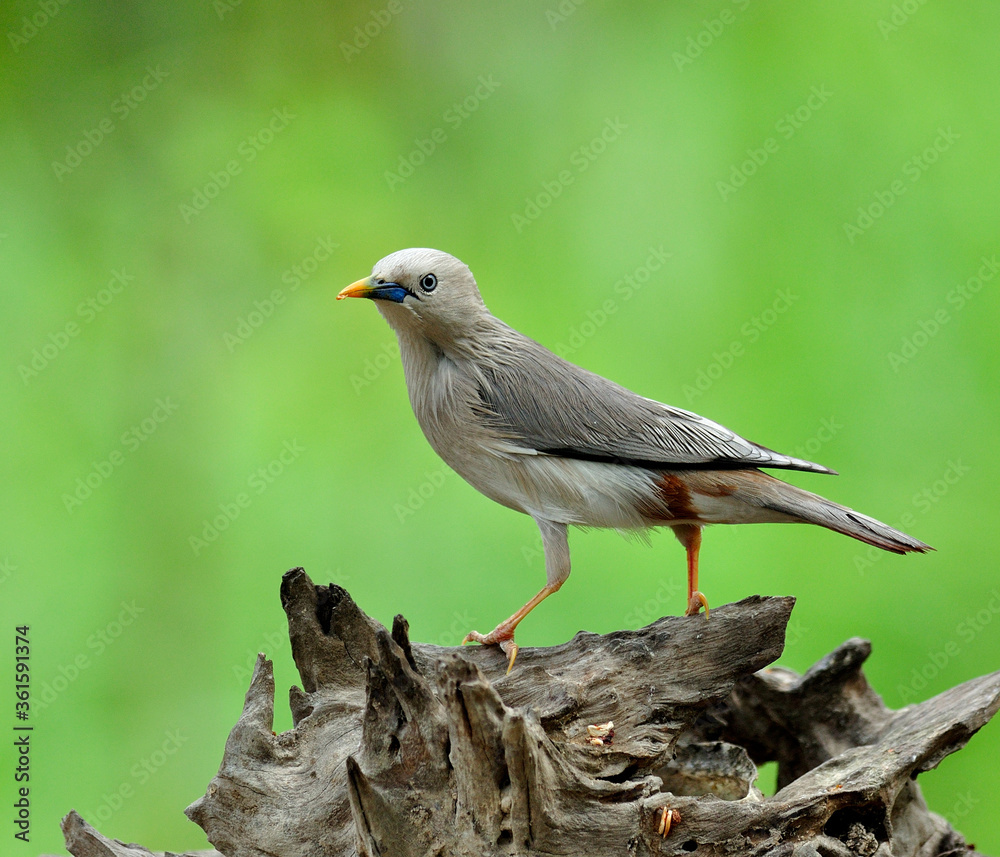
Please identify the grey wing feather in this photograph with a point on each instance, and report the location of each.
(547, 404)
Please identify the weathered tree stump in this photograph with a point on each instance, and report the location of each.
(402, 748)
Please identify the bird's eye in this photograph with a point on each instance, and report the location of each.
(428, 282)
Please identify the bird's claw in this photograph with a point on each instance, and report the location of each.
(695, 603)
(497, 637)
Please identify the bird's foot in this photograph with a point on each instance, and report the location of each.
(502, 635)
(695, 603)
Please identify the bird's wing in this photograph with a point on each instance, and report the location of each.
(542, 403)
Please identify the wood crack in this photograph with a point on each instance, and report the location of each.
(485, 763)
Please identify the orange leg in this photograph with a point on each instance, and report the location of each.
(503, 634)
(689, 535)
(556, 547)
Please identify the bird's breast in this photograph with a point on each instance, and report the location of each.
(446, 401)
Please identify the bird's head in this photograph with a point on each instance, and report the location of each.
(423, 291)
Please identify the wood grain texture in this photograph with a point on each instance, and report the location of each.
(402, 748)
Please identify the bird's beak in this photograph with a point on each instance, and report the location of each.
(380, 292)
(360, 289)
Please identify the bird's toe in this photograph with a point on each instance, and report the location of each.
(510, 649)
(695, 603)
(501, 636)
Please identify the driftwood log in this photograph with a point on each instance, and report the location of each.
(632, 743)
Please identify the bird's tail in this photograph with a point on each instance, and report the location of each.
(811, 508)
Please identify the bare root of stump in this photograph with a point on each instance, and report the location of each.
(633, 743)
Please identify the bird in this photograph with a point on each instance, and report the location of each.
(541, 435)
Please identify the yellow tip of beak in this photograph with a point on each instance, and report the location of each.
(359, 289)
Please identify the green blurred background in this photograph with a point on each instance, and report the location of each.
(186, 187)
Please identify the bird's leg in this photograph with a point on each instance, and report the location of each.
(503, 634)
(689, 535)
(556, 545)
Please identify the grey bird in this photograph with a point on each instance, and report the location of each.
(540, 435)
